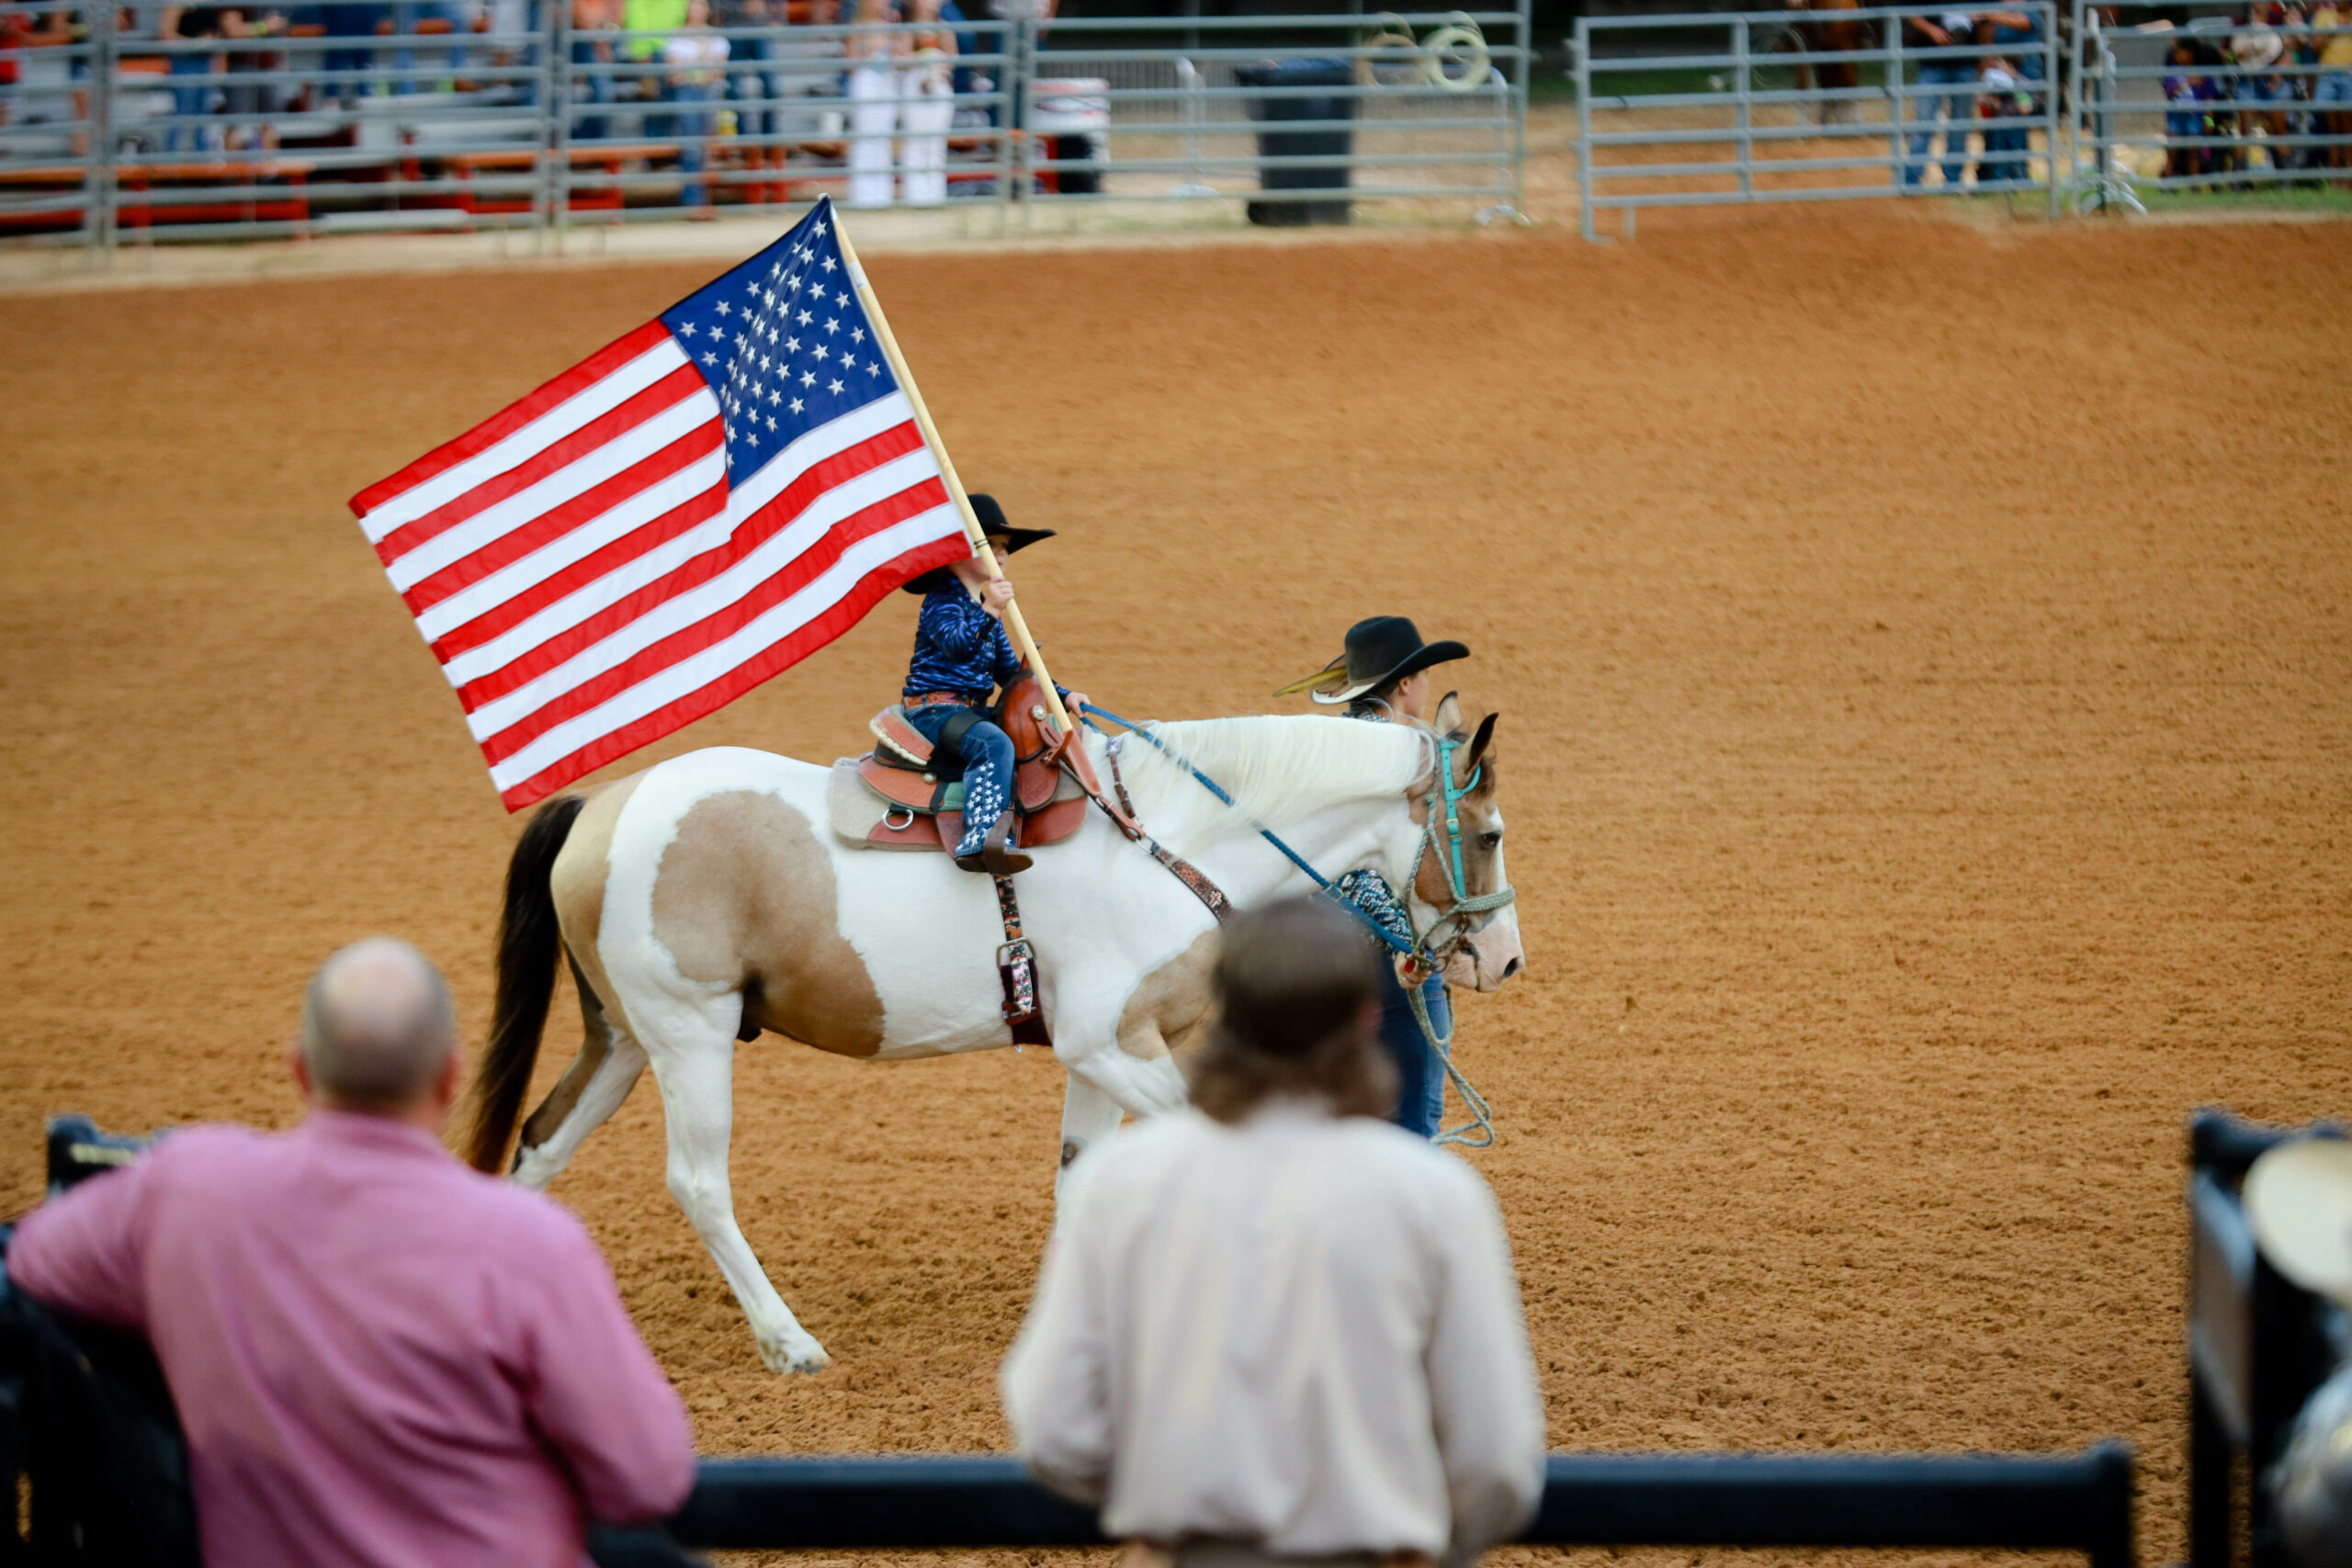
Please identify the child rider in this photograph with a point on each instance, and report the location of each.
(962, 655)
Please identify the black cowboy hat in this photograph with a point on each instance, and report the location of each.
(992, 524)
(1384, 648)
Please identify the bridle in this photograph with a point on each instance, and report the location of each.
(1423, 951)
(1469, 913)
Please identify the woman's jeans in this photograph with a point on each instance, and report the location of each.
(1420, 1077)
(1952, 107)
(988, 771)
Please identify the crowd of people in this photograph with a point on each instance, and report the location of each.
(1999, 82)
(775, 76)
(2257, 98)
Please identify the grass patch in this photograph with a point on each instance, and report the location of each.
(2307, 197)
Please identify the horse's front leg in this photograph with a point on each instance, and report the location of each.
(1114, 1041)
(1089, 1116)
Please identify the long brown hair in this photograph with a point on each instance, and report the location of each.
(1297, 986)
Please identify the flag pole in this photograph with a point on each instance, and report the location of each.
(1013, 622)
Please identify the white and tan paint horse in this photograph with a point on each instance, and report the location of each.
(708, 897)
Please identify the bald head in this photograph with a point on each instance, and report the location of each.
(377, 1027)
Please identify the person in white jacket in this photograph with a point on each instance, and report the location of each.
(1272, 1326)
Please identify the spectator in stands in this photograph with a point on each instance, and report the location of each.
(591, 57)
(2332, 88)
(874, 59)
(2187, 93)
(2019, 38)
(347, 20)
(1948, 30)
(927, 106)
(196, 68)
(753, 90)
(1271, 1325)
(248, 105)
(378, 1355)
(2257, 51)
(650, 22)
(697, 58)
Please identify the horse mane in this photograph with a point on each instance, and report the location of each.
(1278, 768)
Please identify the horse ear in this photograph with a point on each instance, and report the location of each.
(1449, 713)
(1477, 750)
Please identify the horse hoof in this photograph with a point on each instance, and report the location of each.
(800, 1355)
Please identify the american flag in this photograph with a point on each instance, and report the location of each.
(666, 524)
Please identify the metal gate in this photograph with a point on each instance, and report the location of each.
(1815, 105)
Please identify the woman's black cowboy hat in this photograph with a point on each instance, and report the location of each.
(992, 524)
(1384, 648)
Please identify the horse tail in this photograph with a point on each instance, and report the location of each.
(529, 941)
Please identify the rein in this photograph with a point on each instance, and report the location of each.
(1468, 914)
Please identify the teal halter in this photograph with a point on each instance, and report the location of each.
(1468, 913)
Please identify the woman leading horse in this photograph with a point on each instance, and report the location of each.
(1381, 676)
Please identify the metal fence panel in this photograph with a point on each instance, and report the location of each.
(1306, 113)
(1816, 106)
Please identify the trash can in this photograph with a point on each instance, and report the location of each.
(1071, 115)
(1293, 106)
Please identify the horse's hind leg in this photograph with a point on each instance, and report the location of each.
(590, 1089)
(693, 1049)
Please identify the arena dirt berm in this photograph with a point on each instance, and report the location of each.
(1926, 668)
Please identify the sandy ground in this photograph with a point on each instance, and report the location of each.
(1925, 676)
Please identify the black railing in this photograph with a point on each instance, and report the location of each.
(2079, 1502)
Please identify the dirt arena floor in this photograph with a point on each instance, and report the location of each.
(1925, 665)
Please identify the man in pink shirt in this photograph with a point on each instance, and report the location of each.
(380, 1356)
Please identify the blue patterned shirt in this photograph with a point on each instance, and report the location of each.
(960, 648)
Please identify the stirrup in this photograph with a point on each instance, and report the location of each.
(999, 854)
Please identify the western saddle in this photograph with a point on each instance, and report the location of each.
(919, 794)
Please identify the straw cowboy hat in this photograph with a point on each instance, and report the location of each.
(2298, 1201)
(1384, 648)
(1002, 537)
(2257, 47)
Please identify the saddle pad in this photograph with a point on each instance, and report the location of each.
(859, 816)
(902, 742)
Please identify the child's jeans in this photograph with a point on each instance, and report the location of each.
(987, 770)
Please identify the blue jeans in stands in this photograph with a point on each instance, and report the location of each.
(190, 102)
(694, 156)
(1420, 1077)
(751, 87)
(1953, 110)
(988, 771)
(591, 83)
(2004, 161)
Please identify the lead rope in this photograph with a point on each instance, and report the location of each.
(1352, 892)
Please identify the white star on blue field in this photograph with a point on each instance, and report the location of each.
(784, 343)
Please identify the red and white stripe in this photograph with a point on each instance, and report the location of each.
(590, 582)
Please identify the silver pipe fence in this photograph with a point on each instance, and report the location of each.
(414, 116)
(1767, 106)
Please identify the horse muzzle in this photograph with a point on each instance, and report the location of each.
(1485, 958)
